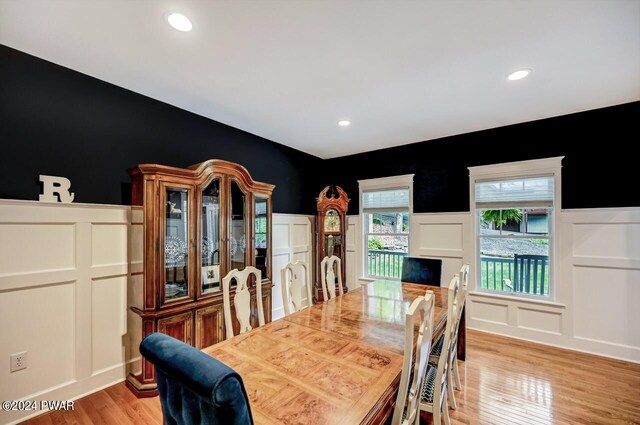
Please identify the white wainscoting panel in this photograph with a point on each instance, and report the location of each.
(292, 241)
(487, 311)
(619, 290)
(540, 320)
(597, 289)
(63, 276)
(443, 236)
(352, 260)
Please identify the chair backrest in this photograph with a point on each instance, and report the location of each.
(526, 275)
(329, 268)
(462, 294)
(464, 276)
(420, 315)
(292, 288)
(194, 387)
(425, 271)
(241, 299)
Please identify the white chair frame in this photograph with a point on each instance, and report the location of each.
(439, 407)
(455, 381)
(292, 288)
(328, 275)
(407, 410)
(241, 299)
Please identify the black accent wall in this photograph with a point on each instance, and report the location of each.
(57, 121)
(60, 122)
(599, 168)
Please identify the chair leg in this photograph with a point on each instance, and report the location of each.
(436, 413)
(445, 412)
(456, 373)
(450, 395)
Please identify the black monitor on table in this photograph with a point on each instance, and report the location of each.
(425, 271)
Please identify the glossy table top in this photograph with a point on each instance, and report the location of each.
(331, 363)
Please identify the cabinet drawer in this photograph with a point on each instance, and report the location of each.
(180, 327)
(209, 326)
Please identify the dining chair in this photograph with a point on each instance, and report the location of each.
(454, 375)
(436, 382)
(464, 281)
(329, 267)
(420, 316)
(425, 271)
(241, 299)
(293, 287)
(195, 388)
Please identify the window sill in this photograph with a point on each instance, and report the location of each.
(518, 299)
(367, 279)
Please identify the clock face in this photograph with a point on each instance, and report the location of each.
(332, 221)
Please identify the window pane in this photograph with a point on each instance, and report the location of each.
(489, 221)
(391, 222)
(385, 254)
(520, 190)
(384, 199)
(514, 221)
(211, 237)
(260, 225)
(176, 250)
(515, 265)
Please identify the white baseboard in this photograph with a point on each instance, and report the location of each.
(623, 353)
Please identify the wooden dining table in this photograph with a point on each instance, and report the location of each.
(337, 362)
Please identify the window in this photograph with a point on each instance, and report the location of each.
(515, 235)
(386, 231)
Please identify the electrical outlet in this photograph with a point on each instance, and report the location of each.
(18, 361)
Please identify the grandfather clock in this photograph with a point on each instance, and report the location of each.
(330, 231)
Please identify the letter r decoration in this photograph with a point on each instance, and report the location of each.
(56, 189)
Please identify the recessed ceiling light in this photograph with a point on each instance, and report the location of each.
(344, 123)
(180, 22)
(518, 75)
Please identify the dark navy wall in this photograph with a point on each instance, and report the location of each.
(60, 122)
(599, 169)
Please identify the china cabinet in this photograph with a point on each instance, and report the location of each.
(332, 204)
(200, 222)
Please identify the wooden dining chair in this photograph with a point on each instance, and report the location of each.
(420, 316)
(293, 287)
(454, 375)
(329, 267)
(241, 299)
(464, 282)
(436, 382)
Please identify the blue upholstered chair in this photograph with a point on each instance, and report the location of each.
(195, 388)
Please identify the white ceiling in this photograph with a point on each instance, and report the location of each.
(401, 71)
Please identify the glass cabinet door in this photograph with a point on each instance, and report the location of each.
(261, 234)
(210, 238)
(176, 244)
(238, 230)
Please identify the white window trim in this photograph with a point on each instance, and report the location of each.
(382, 183)
(531, 168)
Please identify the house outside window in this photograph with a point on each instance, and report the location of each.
(515, 216)
(385, 210)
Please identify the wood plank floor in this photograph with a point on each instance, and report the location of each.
(505, 382)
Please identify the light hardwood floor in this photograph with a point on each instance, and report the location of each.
(505, 382)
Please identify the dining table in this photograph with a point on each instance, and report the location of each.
(336, 362)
